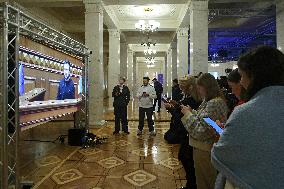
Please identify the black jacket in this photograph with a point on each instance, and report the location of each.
(177, 132)
(158, 87)
(176, 93)
(121, 98)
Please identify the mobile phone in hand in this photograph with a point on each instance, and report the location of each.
(214, 125)
(164, 100)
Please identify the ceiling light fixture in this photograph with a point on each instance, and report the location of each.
(150, 65)
(150, 61)
(147, 26)
(149, 51)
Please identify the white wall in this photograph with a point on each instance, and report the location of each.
(221, 68)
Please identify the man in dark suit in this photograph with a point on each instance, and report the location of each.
(66, 89)
(159, 91)
(121, 95)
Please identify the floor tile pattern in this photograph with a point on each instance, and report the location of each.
(122, 162)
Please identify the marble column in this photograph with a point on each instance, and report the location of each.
(182, 51)
(123, 59)
(130, 70)
(94, 41)
(169, 70)
(114, 62)
(198, 37)
(174, 60)
(280, 24)
(134, 75)
(165, 85)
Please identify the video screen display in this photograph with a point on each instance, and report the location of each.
(60, 78)
(50, 84)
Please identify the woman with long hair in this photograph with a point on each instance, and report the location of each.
(249, 154)
(234, 82)
(238, 91)
(202, 136)
(185, 155)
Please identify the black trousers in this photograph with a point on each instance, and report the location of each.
(149, 114)
(120, 113)
(185, 155)
(159, 99)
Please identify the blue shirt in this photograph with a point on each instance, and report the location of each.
(250, 151)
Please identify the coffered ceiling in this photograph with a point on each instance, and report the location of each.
(169, 15)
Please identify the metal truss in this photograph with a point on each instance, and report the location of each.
(9, 101)
(13, 24)
(42, 33)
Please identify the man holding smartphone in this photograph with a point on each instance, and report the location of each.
(146, 94)
(121, 95)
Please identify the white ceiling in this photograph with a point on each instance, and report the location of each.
(169, 15)
(138, 12)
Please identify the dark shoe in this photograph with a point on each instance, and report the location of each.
(115, 132)
(126, 132)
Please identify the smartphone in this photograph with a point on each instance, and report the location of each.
(164, 100)
(214, 125)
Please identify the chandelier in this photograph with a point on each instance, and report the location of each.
(150, 61)
(148, 44)
(150, 65)
(149, 51)
(147, 26)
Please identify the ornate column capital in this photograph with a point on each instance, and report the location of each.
(114, 33)
(93, 6)
(182, 32)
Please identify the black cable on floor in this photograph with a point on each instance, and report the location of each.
(61, 138)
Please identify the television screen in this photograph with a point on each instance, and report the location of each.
(60, 78)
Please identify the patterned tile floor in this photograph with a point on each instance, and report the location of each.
(122, 162)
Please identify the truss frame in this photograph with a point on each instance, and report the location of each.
(13, 24)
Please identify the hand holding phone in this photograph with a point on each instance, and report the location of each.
(164, 100)
(222, 125)
(185, 109)
(174, 103)
(145, 94)
(214, 125)
(167, 105)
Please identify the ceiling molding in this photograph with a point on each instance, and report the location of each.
(143, 2)
(112, 16)
(127, 15)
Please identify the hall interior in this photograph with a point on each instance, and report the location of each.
(105, 40)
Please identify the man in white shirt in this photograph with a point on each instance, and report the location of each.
(146, 94)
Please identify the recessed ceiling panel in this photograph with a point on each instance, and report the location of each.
(163, 11)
